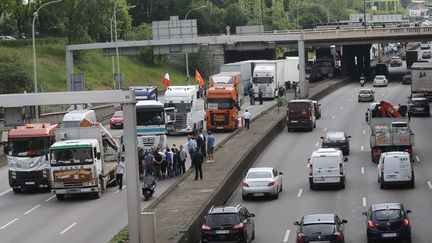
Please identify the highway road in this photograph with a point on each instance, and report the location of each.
(38, 217)
(289, 153)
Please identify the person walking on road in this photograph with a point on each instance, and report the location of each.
(182, 159)
(260, 97)
(246, 118)
(120, 168)
(251, 96)
(210, 146)
(197, 160)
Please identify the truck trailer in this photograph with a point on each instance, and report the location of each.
(243, 67)
(421, 79)
(268, 76)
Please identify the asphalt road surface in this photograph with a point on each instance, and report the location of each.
(38, 217)
(289, 153)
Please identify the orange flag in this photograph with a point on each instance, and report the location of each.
(199, 78)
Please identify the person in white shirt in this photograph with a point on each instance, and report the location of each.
(120, 168)
(246, 118)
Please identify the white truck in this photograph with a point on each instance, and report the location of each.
(243, 67)
(151, 123)
(268, 76)
(188, 113)
(421, 78)
(83, 160)
(292, 73)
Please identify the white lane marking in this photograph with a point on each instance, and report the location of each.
(11, 222)
(48, 199)
(362, 148)
(32, 209)
(68, 228)
(333, 117)
(430, 185)
(287, 234)
(417, 158)
(316, 145)
(325, 129)
(364, 131)
(364, 202)
(299, 193)
(119, 190)
(5, 191)
(341, 107)
(362, 170)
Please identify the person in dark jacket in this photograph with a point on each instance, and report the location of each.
(260, 96)
(251, 96)
(197, 161)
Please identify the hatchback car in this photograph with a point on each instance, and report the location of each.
(426, 54)
(395, 61)
(418, 106)
(262, 181)
(366, 95)
(388, 221)
(380, 80)
(406, 79)
(320, 228)
(339, 140)
(117, 120)
(229, 224)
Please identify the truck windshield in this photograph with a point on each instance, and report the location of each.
(179, 107)
(71, 156)
(29, 147)
(67, 124)
(262, 80)
(220, 104)
(150, 116)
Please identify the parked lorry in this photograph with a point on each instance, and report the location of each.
(83, 160)
(292, 73)
(411, 57)
(188, 113)
(243, 67)
(230, 79)
(390, 130)
(222, 108)
(151, 123)
(325, 62)
(421, 79)
(268, 76)
(27, 157)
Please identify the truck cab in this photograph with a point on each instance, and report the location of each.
(28, 155)
(229, 79)
(222, 108)
(151, 119)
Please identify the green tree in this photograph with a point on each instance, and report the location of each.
(14, 73)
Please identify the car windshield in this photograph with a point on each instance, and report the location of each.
(384, 215)
(71, 156)
(118, 114)
(259, 175)
(222, 219)
(365, 92)
(29, 147)
(318, 229)
(334, 136)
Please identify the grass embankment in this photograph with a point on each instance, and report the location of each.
(96, 68)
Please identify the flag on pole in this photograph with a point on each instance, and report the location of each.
(166, 80)
(199, 78)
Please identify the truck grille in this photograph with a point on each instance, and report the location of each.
(29, 174)
(147, 141)
(219, 118)
(73, 184)
(180, 122)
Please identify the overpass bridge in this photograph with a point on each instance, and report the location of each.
(355, 44)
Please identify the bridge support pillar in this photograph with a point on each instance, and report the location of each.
(304, 84)
(69, 69)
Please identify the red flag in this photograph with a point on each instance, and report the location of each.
(166, 80)
(199, 78)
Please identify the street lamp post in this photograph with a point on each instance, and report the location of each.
(35, 15)
(187, 54)
(112, 39)
(364, 14)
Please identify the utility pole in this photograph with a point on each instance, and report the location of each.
(364, 16)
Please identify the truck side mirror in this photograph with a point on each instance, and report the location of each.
(98, 155)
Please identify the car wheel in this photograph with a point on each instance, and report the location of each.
(281, 188)
(288, 129)
(342, 186)
(276, 196)
(16, 190)
(369, 240)
(382, 186)
(245, 197)
(253, 234)
(412, 185)
(60, 197)
(312, 186)
(408, 240)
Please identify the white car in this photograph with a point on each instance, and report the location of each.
(424, 45)
(395, 168)
(380, 80)
(262, 181)
(327, 167)
(7, 38)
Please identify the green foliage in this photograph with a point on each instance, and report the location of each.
(199, 61)
(14, 72)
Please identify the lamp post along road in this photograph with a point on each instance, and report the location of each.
(117, 48)
(187, 54)
(35, 78)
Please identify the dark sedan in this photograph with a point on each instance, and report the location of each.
(388, 221)
(406, 79)
(320, 228)
(338, 140)
(418, 106)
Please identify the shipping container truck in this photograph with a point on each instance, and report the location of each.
(243, 67)
(411, 57)
(421, 79)
(269, 76)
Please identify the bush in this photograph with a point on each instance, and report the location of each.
(14, 73)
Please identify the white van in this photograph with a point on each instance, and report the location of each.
(326, 167)
(395, 168)
(73, 118)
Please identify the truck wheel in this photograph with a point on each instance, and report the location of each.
(60, 197)
(16, 190)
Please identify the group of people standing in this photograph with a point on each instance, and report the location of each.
(252, 96)
(200, 147)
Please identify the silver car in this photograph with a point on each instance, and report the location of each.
(262, 181)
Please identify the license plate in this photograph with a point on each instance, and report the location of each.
(29, 182)
(419, 109)
(294, 121)
(386, 235)
(222, 231)
(118, 123)
(390, 176)
(219, 127)
(319, 179)
(258, 194)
